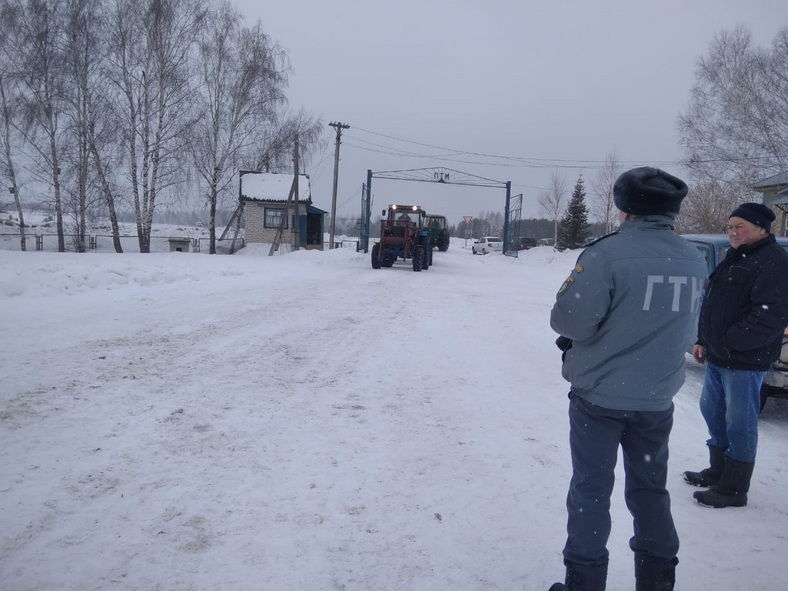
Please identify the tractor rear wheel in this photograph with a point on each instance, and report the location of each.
(376, 256)
(418, 258)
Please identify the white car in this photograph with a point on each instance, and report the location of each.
(487, 244)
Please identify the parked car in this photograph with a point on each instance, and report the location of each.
(714, 247)
(487, 244)
(775, 382)
(526, 242)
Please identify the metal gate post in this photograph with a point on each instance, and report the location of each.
(367, 213)
(506, 217)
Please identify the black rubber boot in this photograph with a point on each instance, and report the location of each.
(580, 577)
(731, 491)
(711, 475)
(654, 574)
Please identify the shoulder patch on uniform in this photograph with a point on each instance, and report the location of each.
(566, 285)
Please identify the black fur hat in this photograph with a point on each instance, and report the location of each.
(756, 213)
(648, 191)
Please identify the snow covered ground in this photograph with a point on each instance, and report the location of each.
(188, 422)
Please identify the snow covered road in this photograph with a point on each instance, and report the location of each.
(188, 422)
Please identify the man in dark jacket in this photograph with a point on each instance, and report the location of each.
(626, 315)
(744, 314)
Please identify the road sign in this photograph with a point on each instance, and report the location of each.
(467, 218)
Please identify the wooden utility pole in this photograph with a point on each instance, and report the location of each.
(338, 127)
(292, 197)
(283, 220)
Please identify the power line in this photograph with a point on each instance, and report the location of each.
(573, 163)
(318, 166)
(352, 195)
(537, 162)
(476, 162)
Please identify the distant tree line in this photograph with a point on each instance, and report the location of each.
(113, 106)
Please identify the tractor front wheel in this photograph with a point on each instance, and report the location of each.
(427, 257)
(418, 258)
(376, 256)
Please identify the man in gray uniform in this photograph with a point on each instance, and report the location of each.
(626, 316)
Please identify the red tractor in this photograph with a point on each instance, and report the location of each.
(403, 235)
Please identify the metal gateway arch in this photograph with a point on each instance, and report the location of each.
(443, 175)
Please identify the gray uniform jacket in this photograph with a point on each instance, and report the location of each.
(630, 307)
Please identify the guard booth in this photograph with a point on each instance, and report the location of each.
(264, 198)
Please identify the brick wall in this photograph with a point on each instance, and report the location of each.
(254, 226)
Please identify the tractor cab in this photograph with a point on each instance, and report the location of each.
(405, 215)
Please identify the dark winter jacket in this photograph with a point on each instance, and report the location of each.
(630, 307)
(745, 309)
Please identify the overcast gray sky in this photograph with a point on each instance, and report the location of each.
(560, 82)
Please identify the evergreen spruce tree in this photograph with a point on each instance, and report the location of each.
(573, 230)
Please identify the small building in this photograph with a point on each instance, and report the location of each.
(775, 195)
(180, 244)
(264, 196)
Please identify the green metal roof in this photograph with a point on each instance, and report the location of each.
(772, 181)
(782, 198)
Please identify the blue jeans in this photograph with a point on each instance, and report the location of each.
(594, 437)
(730, 403)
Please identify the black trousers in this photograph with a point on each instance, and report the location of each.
(595, 434)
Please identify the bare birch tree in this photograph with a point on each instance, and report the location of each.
(735, 129)
(243, 74)
(706, 208)
(34, 30)
(152, 51)
(7, 165)
(603, 205)
(80, 46)
(277, 136)
(94, 122)
(552, 200)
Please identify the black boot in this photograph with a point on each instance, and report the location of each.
(654, 574)
(711, 475)
(580, 577)
(731, 491)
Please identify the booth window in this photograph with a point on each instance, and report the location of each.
(273, 217)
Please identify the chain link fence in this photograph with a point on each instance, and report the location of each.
(128, 243)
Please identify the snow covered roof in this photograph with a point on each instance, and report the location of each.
(271, 186)
(773, 181)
